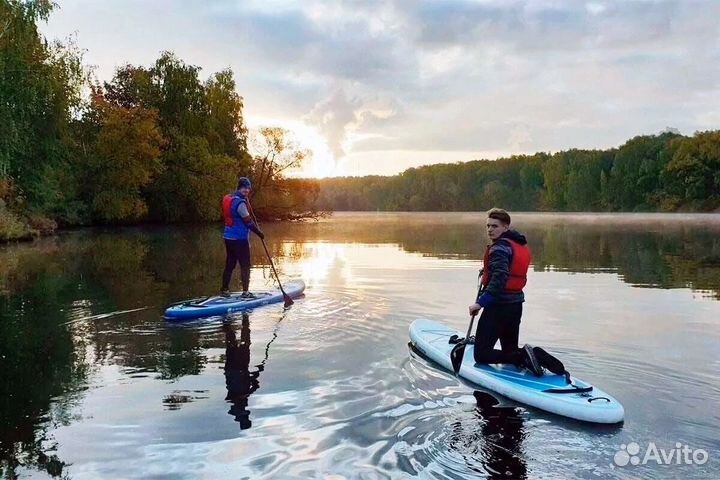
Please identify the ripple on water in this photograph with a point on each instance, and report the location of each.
(329, 321)
(460, 433)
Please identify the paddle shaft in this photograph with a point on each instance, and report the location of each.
(267, 252)
(472, 320)
(458, 351)
(472, 317)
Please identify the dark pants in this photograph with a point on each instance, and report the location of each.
(498, 322)
(237, 251)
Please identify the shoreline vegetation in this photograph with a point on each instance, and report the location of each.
(667, 172)
(156, 144)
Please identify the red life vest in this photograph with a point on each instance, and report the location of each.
(227, 208)
(235, 227)
(519, 266)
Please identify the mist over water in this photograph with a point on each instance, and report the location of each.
(95, 384)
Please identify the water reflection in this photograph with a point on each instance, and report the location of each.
(240, 381)
(663, 251)
(500, 438)
(76, 307)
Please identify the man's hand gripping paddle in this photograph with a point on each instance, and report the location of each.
(458, 352)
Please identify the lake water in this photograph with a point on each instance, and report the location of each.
(95, 384)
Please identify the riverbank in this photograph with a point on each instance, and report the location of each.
(19, 228)
(15, 228)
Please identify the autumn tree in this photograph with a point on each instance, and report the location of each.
(276, 152)
(124, 158)
(205, 136)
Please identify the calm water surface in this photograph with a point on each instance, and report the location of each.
(94, 384)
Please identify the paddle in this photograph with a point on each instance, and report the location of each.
(458, 352)
(288, 301)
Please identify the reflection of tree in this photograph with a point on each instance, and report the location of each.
(189, 261)
(47, 288)
(41, 360)
(643, 253)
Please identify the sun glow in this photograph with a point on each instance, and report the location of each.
(320, 163)
(323, 260)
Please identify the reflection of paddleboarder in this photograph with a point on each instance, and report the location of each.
(239, 380)
(497, 444)
(503, 434)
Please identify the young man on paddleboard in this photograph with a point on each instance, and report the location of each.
(238, 225)
(505, 268)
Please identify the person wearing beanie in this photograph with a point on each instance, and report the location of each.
(238, 225)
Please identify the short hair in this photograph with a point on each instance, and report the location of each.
(499, 214)
(244, 182)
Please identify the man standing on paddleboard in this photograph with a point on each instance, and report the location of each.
(238, 225)
(505, 268)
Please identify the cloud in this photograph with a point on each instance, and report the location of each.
(332, 116)
(338, 115)
(435, 75)
(519, 135)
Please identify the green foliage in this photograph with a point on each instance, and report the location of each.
(154, 143)
(39, 90)
(205, 139)
(635, 174)
(159, 143)
(274, 196)
(194, 182)
(692, 175)
(653, 172)
(226, 129)
(124, 158)
(12, 227)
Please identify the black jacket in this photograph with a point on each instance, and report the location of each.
(499, 264)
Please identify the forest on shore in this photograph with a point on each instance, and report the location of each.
(666, 172)
(154, 144)
(159, 144)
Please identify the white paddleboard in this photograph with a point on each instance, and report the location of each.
(550, 392)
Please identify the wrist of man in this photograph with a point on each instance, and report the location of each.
(486, 299)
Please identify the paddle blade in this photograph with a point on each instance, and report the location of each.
(288, 301)
(457, 354)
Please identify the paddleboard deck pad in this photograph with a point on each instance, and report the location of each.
(219, 305)
(552, 393)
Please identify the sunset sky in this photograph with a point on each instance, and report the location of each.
(375, 87)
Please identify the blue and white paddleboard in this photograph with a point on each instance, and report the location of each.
(218, 305)
(552, 393)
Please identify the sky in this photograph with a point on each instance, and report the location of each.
(376, 87)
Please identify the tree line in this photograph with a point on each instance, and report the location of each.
(158, 143)
(664, 172)
(155, 143)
